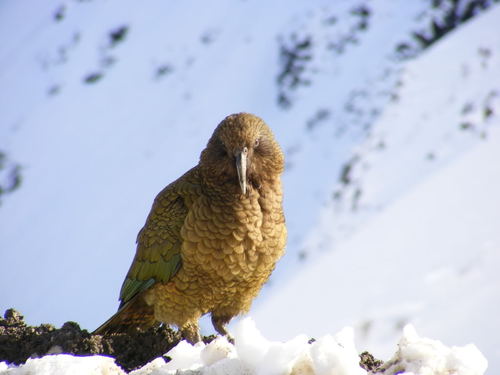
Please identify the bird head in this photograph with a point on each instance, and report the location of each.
(241, 155)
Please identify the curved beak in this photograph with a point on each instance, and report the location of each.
(241, 168)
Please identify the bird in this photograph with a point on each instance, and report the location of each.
(212, 237)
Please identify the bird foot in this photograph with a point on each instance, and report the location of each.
(230, 338)
(219, 324)
(191, 334)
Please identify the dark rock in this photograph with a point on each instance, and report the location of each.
(18, 342)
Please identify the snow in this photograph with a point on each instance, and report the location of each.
(431, 258)
(424, 356)
(426, 251)
(254, 354)
(62, 364)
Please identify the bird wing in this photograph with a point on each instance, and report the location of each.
(158, 257)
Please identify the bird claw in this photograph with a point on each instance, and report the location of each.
(229, 338)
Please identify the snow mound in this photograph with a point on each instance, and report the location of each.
(254, 354)
(418, 355)
(62, 364)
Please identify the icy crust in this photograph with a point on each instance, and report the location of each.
(253, 354)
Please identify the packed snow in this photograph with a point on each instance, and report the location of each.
(252, 354)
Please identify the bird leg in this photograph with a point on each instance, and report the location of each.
(191, 333)
(219, 323)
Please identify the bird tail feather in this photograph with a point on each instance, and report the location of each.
(133, 314)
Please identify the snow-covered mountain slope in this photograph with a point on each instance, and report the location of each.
(431, 256)
(105, 102)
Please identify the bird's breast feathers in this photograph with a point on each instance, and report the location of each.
(233, 241)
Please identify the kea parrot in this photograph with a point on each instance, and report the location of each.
(212, 237)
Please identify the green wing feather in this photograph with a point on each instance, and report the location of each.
(158, 256)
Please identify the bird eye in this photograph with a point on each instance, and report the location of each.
(220, 148)
(257, 142)
(223, 152)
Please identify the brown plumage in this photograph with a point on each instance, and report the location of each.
(212, 237)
